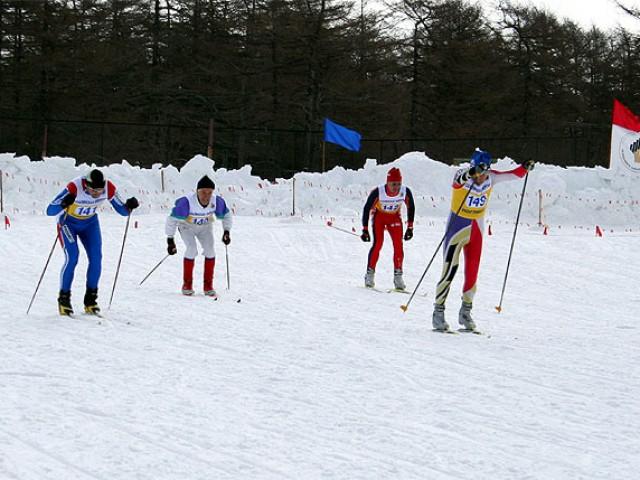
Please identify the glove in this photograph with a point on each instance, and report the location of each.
(365, 236)
(132, 203)
(528, 164)
(408, 235)
(68, 200)
(226, 238)
(171, 246)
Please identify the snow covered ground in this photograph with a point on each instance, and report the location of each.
(311, 375)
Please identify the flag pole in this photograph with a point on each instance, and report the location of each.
(611, 137)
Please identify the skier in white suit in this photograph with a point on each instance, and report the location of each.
(193, 216)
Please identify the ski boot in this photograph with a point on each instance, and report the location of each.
(209, 265)
(398, 281)
(369, 280)
(464, 317)
(91, 301)
(187, 277)
(438, 321)
(64, 303)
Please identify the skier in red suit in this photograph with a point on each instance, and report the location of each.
(386, 203)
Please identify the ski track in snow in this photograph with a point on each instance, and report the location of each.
(311, 376)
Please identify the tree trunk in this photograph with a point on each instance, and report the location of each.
(313, 82)
(413, 116)
(155, 55)
(18, 54)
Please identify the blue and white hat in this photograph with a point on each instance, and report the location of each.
(480, 157)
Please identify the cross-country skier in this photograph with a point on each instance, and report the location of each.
(192, 216)
(386, 202)
(472, 188)
(79, 201)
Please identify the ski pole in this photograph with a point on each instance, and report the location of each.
(513, 241)
(330, 224)
(154, 269)
(53, 247)
(115, 280)
(406, 306)
(226, 254)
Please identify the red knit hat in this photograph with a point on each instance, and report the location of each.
(394, 175)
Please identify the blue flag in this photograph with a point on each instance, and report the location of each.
(334, 133)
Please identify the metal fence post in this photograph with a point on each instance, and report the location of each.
(539, 207)
(45, 140)
(210, 144)
(102, 141)
(293, 202)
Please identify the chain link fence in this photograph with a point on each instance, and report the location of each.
(273, 153)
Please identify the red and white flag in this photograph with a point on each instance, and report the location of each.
(625, 140)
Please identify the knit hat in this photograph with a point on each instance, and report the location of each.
(95, 179)
(206, 182)
(394, 175)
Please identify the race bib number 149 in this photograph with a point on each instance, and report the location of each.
(477, 202)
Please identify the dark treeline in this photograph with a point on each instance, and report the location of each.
(430, 75)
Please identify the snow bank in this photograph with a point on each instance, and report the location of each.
(570, 196)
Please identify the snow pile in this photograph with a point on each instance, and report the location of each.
(570, 196)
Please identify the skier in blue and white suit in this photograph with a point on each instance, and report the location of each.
(193, 217)
(79, 202)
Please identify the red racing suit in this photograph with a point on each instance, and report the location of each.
(386, 216)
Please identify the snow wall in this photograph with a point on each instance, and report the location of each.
(574, 197)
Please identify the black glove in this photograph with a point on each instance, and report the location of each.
(408, 235)
(171, 246)
(226, 237)
(365, 236)
(528, 164)
(68, 200)
(132, 203)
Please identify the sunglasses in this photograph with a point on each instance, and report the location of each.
(95, 190)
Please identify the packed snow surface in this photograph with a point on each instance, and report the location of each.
(297, 371)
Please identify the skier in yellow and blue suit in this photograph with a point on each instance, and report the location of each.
(472, 189)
